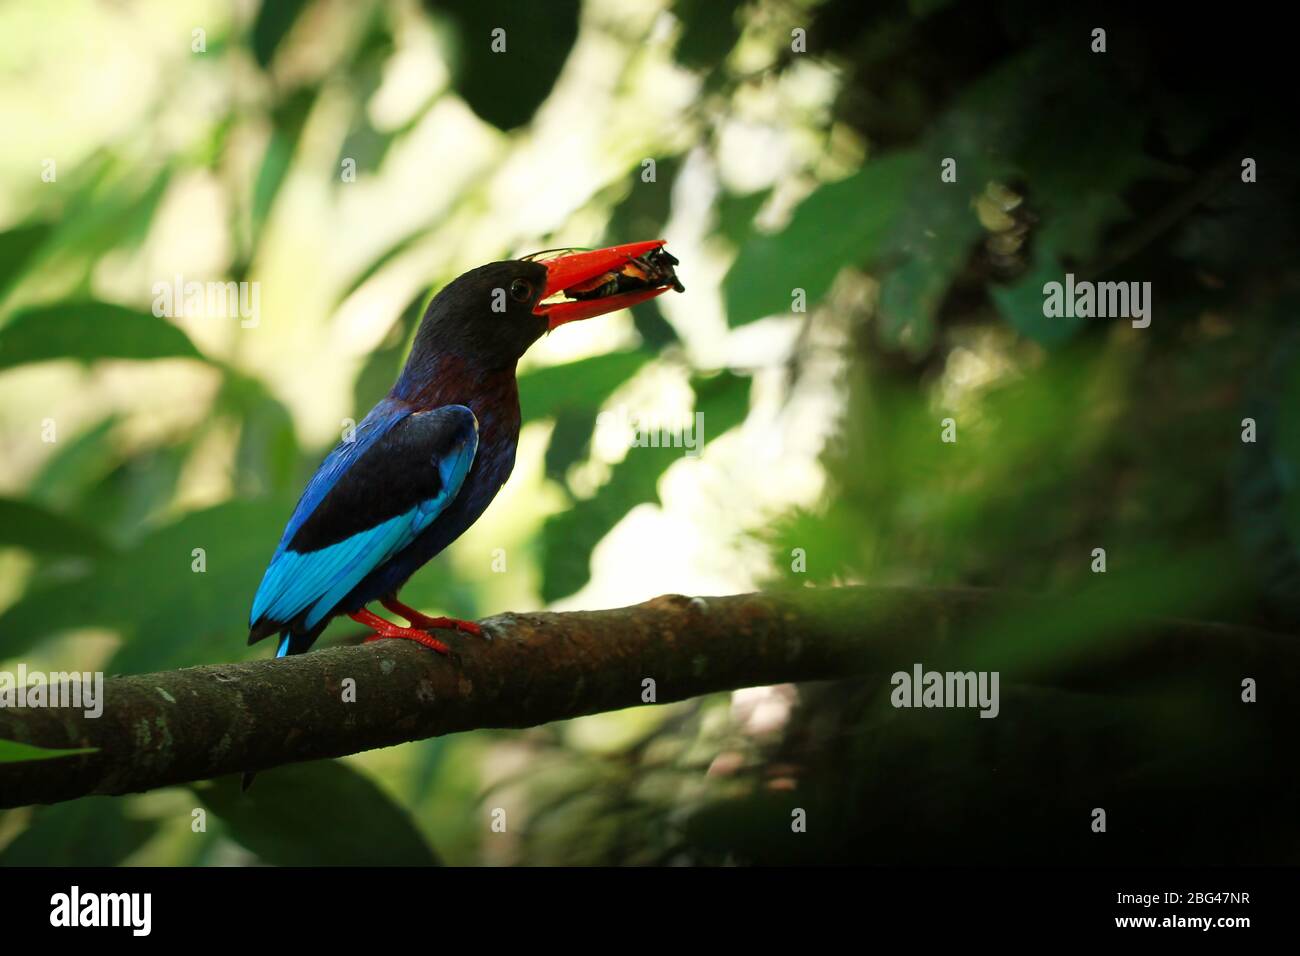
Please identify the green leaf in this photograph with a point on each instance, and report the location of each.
(18, 247)
(115, 202)
(641, 215)
(288, 121)
(583, 384)
(76, 465)
(131, 498)
(274, 18)
(569, 442)
(169, 613)
(1021, 303)
(506, 88)
(267, 456)
(642, 212)
(11, 751)
(89, 331)
(365, 144)
(323, 813)
(1074, 184)
(568, 538)
(572, 394)
(936, 243)
(938, 227)
(36, 529)
(709, 31)
(655, 332)
(842, 223)
(92, 831)
(736, 214)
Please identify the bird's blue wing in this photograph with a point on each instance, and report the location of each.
(370, 499)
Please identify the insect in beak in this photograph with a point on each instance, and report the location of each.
(584, 284)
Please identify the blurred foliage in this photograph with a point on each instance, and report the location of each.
(352, 821)
(89, 331)
(26, 525)
(569, 536)
(923, 302)
(507, 90)
(92, 831)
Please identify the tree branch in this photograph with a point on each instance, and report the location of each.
(169, 728)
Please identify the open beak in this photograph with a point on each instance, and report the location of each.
(580, 285)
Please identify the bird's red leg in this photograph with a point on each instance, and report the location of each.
(384, 629)
(417, 619)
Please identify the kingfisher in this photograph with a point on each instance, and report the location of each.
(428, 459)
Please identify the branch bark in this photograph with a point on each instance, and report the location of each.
(191, 724)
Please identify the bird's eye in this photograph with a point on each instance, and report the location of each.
(521, 290)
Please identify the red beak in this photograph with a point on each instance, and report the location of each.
(577, 269)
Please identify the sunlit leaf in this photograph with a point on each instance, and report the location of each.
(842, 223)
(582, 384)
(569, 537)
(88, 331)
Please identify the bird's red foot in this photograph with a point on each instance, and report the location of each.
(385, 629)
(416, 619)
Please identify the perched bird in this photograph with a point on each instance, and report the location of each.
(429, 458)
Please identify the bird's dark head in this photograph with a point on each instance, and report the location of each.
(491, 315)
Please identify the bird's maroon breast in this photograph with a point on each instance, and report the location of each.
(493, 397)
(497, 409)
